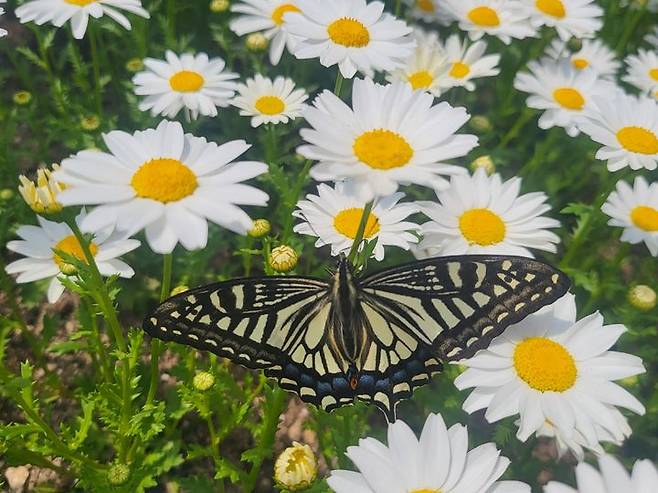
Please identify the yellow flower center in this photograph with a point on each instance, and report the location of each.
(545, 365)
(425, 490)
(297, 457)
(281, 10)
(645, 217)
(420, 80)
(653, 73)
(459, 70)
(425, 5)
(638, 139)
(164, 180)
(270, 105)
(579, 63)
(554, 8)
(482, 227)
(347, 223)
(382, 149)
(349, 32)
(484, 16)
(72, 246)
(186, 81)
(569, 98)
(80, 3)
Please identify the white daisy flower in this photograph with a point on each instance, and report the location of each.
(333, 216)
(57, 12)
(570, 18)
(423, 68)
(636, 210)
(268, 101)
(642, 71)
(612, 478)
(593, 54)
(562, 91)
(466, 62)
(505, 19)
(437, 462)
(482, 214)
(628, 129)
(269, 17)
(392, 135)
(164, 181)
(193, 82)
(351, 33)
(550, 368)
(430, 11)
(3, 32)
(38, 245)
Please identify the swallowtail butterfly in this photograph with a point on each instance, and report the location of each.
(373, 338)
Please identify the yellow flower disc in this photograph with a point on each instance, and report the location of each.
(653, 73)
(569, 98)
(270, 105)
(638, 139)
(164, 180)
(347, 223)
(425, 490)
(545, 365)
(72, 246)
(459, 70)
(579, 63)
(425, 5)
(186, 81)
(382, 149)
(484, 16)
(482, 227)
(554, 8)
(349, 32)
(645, 218)
(281, 10)
(420, 80)
(80, 3)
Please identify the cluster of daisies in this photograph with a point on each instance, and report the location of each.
(554, 373)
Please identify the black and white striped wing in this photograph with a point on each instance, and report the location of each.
(457, 305)
(255, 322)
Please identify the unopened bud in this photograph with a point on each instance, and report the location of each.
(484, 162)
(118, 474)
(296, 468)
(203, 381)
(260, 229)
(642, 297)
(256, 42)
(218, 6)
(283, 259)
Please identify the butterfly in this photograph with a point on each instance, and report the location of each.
(373, 338)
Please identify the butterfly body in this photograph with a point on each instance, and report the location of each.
(373, 338)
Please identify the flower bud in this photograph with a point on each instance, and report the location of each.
(41, 195)
(296, 468)
(134, 65)
(67, 269)
(203, 381)
(218, 6)
(283, 258)
(484, 162)
(181, 288)
(6, 194)
(90, 122)
(642, 297)
(260, 229)
(22, 97)
(118, 474)
(480, 123)
(256, 42)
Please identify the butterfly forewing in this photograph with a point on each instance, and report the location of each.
(459, 304)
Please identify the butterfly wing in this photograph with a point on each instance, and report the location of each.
(252, 321)
(459, 304)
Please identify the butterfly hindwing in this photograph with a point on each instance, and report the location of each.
(459, 304)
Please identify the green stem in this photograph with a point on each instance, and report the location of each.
(102, 354)
(339, 83)
(359, 232)
(540, 151)
(630, 28)
(171, 22)
(526, 115)
(97, 70)
(398, 7)
(165, 289)
(272, 411)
